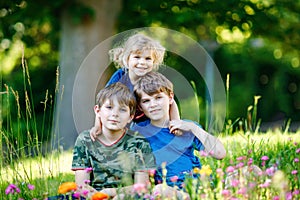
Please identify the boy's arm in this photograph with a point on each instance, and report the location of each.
(174, 111)
(212, 144)
(81, 177)
(96, 129)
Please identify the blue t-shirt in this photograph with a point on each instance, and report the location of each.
(176, 151)
(122, 77)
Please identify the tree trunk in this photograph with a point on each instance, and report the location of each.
(77, 41)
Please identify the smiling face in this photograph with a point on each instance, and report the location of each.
(114, 116)
(139, 64)
(156, 107)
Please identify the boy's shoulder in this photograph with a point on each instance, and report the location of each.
(135, 136)
(85, 135)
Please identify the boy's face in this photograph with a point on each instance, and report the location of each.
(113, 116)
(141, 63)
(156, 107)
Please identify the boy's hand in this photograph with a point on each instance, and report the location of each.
(94, 132)
(177, 127)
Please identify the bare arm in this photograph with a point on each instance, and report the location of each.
(96, 130)
(212, 144)
(174, 111)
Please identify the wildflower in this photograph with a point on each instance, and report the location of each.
(220, 172)
(139, 188)
(242, 191)
(174, 179)
(203, 153)
(265, 184)
(296, 192)
(89, 169)
(250, 161)
(226, 193)
(11, 189)
(152, 172)
(240, 165)
(235, 183)
(205, 170)
(288, 196)
(229, 169)
(270, 171)
(241, 158)
(276, 198)
(85, 192)
(76, 195)
(294, 172)
(67, 187)
(99, 196)
(87, 181)
(265, 158)
(298, 150)
(296, 160)
(30, 187)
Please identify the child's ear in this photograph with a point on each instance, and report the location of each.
(96, 110)
(171, 98)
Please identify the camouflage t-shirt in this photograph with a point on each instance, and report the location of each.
(112, 165)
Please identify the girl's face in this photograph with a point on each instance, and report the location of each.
(140, 63)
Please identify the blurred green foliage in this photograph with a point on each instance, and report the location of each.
(258, 44)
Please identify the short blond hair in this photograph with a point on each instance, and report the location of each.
(121, 92)
(136, 44)
(152, 83)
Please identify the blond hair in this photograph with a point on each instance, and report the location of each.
(136, 44)
(120, 92)
(152, 83)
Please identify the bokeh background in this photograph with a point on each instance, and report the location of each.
(254, 43)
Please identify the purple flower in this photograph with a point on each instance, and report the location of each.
(229, 169)
(30, 187)
(294, 172)
(226, 193)
(89, 169)
(296, 160)
(11, 189)
(265, 158)
(276, 198)
(296, 192)
(298, 150)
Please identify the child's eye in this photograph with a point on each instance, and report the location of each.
(145, 101)
(148, 58)
(123, 109)
(108, 107)
(136, 56)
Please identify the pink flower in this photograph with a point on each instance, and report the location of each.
(265, 158)
(270, 171)
(242, 191)
(88, 170)
(241, 158)
(87, 181)
(296, 192)
(30, 187)
(152, 172)
(250, 161)
(276, 198)
(235, 183)
(298, 150)
(139, 188)
(203, 153)
(294, 172)
(296, 160)
(85, 192)
(229, 169)
(226, 193)
(11, 189)
(288, 196)
(174, 179)
(76, 194)
(240, 165)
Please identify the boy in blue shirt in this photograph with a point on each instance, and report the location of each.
(154, 94)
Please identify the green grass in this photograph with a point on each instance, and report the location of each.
(48, 172)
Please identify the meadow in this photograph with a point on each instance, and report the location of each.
(28, 171)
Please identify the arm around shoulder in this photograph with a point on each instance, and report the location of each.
(213, 146)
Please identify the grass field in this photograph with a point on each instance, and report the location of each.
(276, 153)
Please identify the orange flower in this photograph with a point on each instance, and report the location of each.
(99, 196)
(67, 187)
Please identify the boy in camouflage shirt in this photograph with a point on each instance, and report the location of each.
(117, 153)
